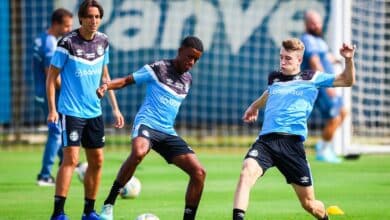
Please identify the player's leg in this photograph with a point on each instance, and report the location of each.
(330, 107)
(64, 177)
(190, 164)
(140, 147)
(92, 178)
(93, 141)
(72, 128)
(250, 172)
(52, 147)
(333, 123)
(309, 203)
(335, 116)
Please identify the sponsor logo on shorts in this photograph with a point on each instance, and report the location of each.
(74, 135)
(104, 139)
(305, 179)
(253, 153)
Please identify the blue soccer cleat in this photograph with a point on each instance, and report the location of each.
(61, 216)
(91, 216)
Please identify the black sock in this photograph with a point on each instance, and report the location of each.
(238, 214)
(89, 205)
(59, 202)
(189, 212)
(116, 186)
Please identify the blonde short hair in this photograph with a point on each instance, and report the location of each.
(293, 44)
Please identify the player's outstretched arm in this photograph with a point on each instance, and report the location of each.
(347, 77)
(114, 84)
(252, 111)
(119, 121)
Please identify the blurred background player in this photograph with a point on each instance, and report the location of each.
(168, 83)
(44, 47)
(81, 59)
(329, 103)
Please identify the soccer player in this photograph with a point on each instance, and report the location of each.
(168, 82)
(81, 60)
(329, 103)
(44, 47)
(288, 102)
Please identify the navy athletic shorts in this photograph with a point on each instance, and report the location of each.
(87, 132)
(168, 146)
(284, 151)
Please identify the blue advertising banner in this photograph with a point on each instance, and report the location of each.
(241, 41)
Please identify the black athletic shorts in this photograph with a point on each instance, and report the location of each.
(168, 146)
(284, 151)
(89, 132)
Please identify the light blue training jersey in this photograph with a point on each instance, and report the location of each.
(165, 91)
(81, 63)
(291, 100)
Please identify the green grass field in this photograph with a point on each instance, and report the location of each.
(361, 188)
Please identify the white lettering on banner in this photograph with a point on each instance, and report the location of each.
(142, 18)
(135, 23)
(206, 22)
(240, 24)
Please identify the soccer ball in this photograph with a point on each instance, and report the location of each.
(132, 189)
(80, 170)
(147, 216)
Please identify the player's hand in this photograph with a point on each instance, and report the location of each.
(250, 115)
(52, 117)
(101, 90)
(119, 121)
(347, 51)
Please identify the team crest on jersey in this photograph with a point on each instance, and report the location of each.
(100, 50)
(64, 40)
(74, 135)
(253, 153)
(145, 133)
(298, 77)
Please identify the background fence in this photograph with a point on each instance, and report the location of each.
(241, 39)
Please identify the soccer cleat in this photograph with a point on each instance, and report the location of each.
(328, 157)
(61, 216)
(107, 212)
(92, 216)
(45, 181)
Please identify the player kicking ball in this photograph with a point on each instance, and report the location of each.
(288, 102)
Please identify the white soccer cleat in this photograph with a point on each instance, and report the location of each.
(107, 212)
